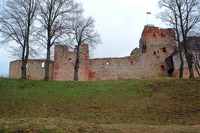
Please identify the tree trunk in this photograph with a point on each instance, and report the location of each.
(181, 68)
(189, 61)
(47, 62)
(27, 46)
(25, 60)
(182, 62)
(76, 67)
(23, 70)
(23, 67)
(46, 77)
(197, 70)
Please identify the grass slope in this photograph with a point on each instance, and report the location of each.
(82, 106)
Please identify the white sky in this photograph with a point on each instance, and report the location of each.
(119, 22)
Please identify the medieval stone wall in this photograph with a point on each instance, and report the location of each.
(35, 69)
(117, 68)
(64, 62)
(131, 67)
(155, 46)
(147, 62)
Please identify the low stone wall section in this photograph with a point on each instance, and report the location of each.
(35, 69)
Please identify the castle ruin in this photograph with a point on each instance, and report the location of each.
(152, 59)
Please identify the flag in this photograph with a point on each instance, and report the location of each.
(148, 12)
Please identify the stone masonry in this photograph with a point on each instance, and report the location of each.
(35, 69)
(146, 62)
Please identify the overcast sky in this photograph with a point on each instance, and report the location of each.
(119, 22)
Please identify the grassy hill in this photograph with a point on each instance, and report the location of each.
(99, 106)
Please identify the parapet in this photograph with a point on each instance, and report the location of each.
(156, 32)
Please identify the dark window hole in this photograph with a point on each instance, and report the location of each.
(164, 49)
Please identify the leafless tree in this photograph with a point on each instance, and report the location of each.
(193, 44)
(16, 20)
(54, 15)
(196, 63)
(184, 17)
(82, 32)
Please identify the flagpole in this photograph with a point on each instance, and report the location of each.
(147, 18)
(147, 13)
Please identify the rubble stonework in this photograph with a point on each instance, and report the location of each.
(35, 69)
(146, 62)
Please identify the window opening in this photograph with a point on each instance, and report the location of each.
(170, 65)
(144, 47)
(164, 49)
(107, 63)
(42, 64)
(163, 67)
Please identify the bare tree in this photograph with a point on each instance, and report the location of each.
(54, 15)
(183, 16)
(193, 44)
(196, 63)
(82, 32)
(16, 20)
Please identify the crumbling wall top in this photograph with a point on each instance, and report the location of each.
(156, 32)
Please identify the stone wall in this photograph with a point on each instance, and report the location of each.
(35, 69)
(146, 62)
(116, 68)
(64, 62)
(155, 46)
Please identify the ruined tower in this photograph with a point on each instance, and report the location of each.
(157, 44)
(64, 62)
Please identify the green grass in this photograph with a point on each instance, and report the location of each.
(165, 101)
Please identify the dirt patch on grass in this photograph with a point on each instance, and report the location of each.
(52, 125)
(125, 128)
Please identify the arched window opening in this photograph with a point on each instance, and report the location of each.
(42, 64)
